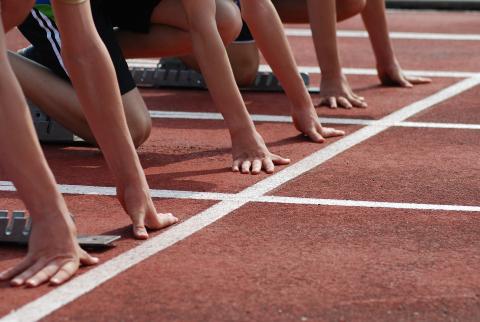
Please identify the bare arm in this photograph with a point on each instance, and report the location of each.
(335, 89)
(267, 29)
(54, 255)
(389, 70)
(249, 150)
(94, 80)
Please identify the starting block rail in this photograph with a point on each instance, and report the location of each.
(16, 229)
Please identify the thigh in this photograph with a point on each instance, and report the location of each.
(171, 13)
(14, 12)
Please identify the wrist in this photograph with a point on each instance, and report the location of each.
(244, 129)
(387, 63)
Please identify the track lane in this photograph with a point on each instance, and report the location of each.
(93, 215)
(331, 264)
(401, 165)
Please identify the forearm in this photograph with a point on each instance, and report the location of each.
(208, 47)
(323, 22)
(267, 29)
(93, 77)
(375, 20)
(23, 160)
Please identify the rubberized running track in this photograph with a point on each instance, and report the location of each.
(382, 225)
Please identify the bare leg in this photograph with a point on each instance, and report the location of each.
(59, 100)
(245, 58)
(169, 34)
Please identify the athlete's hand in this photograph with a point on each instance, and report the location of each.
(306, 121)
(392, 75)
(54, 255)
(336, 92)
(251, 155)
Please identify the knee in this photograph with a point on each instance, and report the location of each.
(349, 8)
(14, 12)
(229, 20)
(246, 73)
(140, 129)
(245, 60)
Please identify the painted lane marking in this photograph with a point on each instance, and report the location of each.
(152, 63)
(214, 196)
(87, 282)
(364, 204)
(325, 120)
(304, 32)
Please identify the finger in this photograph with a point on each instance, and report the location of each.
(278, 160)
(329, 132)
(64, 273)
(32, 270)
(403, 82)
(256, 166)
(419, 80)
(358, 103)
(323, 102)
(268, 165)
(358, 97)
(332, 102)
(343, 102)
(246, 166)
(236, 166)
(87, 260)
(315, 136)
(45, 273)
(14, 271)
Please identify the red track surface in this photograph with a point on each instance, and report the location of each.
(299, 262)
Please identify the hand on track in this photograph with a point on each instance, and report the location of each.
(138, 204)
(54, 255)
(306, 121)
(336, 92)
(251, 155)
(394, 76)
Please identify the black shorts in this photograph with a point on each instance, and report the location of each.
(245, 35)
(131, 15)
(43, 34)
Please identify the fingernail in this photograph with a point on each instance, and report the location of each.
(31, 283)
(54, 281)
(17, 281)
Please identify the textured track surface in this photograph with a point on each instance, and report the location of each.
(299, 261)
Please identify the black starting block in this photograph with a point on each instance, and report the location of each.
(16, 230)
(172, 73)
(50, 131)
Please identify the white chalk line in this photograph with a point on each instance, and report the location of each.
(153, 63)
(7, 186)
(305, 32)
(85, 283)
(325, 120)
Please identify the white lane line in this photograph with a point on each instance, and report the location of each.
(85, 283)
(214, 196)
(111, 191)
(304, 32)
(152, 63)
(325, 120)
(364, 204)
